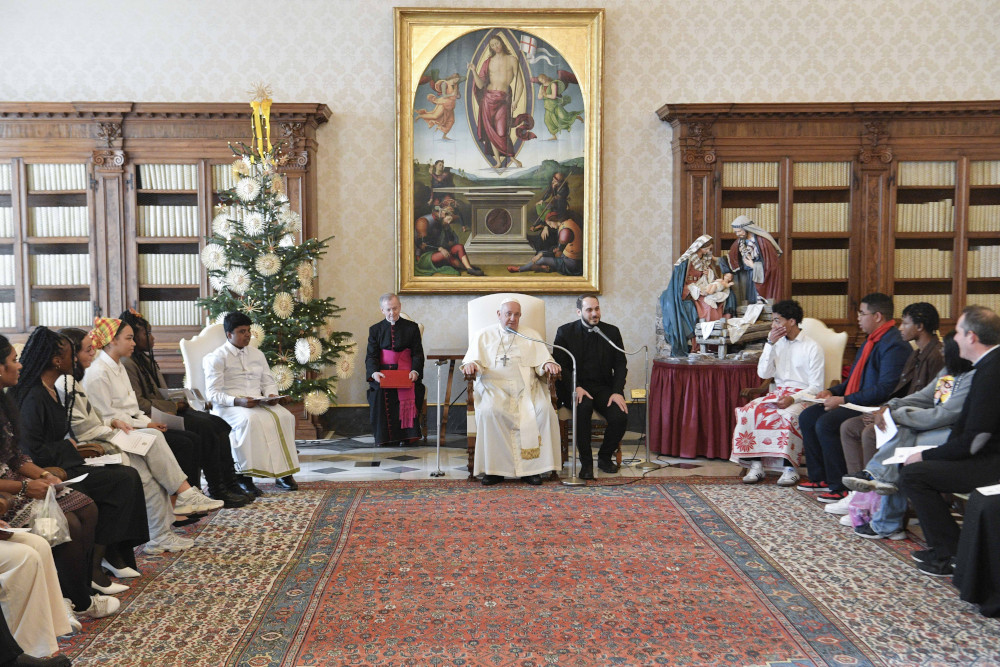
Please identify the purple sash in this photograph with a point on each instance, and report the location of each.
(407, 397)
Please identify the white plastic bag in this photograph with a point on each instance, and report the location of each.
(48, 520)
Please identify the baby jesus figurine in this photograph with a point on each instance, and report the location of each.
(710, 296)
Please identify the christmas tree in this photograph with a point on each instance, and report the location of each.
(256, 266)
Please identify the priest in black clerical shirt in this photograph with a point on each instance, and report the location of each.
(600, 382)
(394, 344)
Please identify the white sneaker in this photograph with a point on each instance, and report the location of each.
(841, 506)
(789, 477)
(74, 622)
(168, 542)
(101, 606)
(193, 500)
(846, 520)
(755, 474)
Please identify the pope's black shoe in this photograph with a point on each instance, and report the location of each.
(607, 465)
(490, 480)
(287, 483)
(534, 480)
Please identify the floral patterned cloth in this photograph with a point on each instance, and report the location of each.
(764, 431)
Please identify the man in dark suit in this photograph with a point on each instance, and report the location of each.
(394, 344)
(600, 382)
(970, 458)
(874, 375)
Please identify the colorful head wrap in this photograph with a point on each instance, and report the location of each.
(104, 331)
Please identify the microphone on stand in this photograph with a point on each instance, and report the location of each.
(572, 480)
(647, 464)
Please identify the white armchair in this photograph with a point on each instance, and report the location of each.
(195, 349)
(833, 344)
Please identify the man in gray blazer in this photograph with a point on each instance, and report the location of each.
(923, 418)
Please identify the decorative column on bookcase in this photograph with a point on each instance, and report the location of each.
(874, 215)
(695, 158)
(107, 239)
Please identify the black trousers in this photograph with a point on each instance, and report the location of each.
(821, 443)
(924, 482)
(617, 423)
(977, 571)
(186, 447)
(121, 506)
(216, 452)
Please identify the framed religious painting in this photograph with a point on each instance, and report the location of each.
(498, 131)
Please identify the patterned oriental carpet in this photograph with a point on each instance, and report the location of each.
(679, 572)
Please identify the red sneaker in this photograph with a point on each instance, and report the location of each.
(832, 496)
(812, 486)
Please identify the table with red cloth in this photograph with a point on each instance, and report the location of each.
(692, 405)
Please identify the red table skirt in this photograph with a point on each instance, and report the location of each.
(692, 406)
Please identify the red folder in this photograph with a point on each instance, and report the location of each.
(398, 379)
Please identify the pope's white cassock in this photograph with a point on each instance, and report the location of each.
(263, 438)
(517, 432)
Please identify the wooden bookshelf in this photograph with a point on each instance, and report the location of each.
(877, 184)
(130, 186)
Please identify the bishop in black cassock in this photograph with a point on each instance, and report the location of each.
(398, 337)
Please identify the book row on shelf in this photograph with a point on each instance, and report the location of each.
(932, 216)
(6, 221)
(60, 270)
(168, 221)
(929, 263)
(821, 174)
(8, 317)
(174, 269)
(223, 177)
(823, 306)
(941, 302)
(62, 314)
(821, 217)
(984, 218)
(5, 172)
(984, 262)
(984, 172)
(55, 177)
(750, 174)
(59, 221)
(7, 270)
(765, 215)
(819, 264)
(168, 176)
(172, 313)
(926, 173)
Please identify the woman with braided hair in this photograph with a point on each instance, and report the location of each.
(161, 476)
(217, 456)
(45, 423)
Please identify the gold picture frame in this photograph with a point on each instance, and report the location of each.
(498, 181)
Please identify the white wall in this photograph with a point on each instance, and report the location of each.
(341, 53)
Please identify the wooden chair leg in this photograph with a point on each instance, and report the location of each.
(470, 440)
(618, 455)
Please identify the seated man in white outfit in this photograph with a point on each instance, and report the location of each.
(767, 431)
(517, 432)
(242, 391)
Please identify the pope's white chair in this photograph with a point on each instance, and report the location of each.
(483, 313)
(194, 351)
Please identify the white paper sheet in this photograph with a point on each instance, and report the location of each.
(903, 453)
(860, 408)
(991, 490)
(174, 422)
(106, 460)
(882, 437)
(15, 530)
(133, 442)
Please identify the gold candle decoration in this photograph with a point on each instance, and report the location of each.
(265, 109)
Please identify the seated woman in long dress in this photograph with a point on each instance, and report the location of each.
(117, 489)
(28, 483)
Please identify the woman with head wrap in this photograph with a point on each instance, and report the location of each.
(116, 489)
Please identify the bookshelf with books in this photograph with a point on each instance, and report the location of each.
(106, 205)
(902, 198)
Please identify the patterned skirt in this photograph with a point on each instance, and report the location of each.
(764, 431)
(19, 514)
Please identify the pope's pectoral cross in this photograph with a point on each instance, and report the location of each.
(505, 359)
